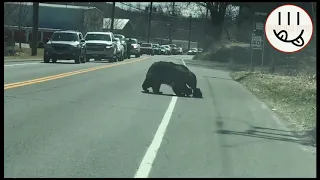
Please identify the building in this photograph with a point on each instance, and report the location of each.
(120, 26)
(51, 17)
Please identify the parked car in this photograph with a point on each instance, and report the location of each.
(146, 48)
(66, 45)
(101, 45)
(180, 50)
(168, 48)
(192, 51)
(200, 50)
(120, 50)
(123, 42)
(163, 50)
(156, 48)
(133, 47)
(174, 49)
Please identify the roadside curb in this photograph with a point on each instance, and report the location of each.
(21, 60)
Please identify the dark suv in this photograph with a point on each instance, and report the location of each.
(66, 45)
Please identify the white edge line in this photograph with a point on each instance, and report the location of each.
(183, 62)
(148, 159)
(19, 64)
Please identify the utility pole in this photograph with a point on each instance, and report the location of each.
(35, 28)
(149, 24)
(205, 22)
(190, 18)
(112, 15)
(203, 42)
(173, 8)
(170, 33)
(172, 23)
(19, 24)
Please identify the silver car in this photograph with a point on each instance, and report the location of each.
(120, 50)
(101, 45)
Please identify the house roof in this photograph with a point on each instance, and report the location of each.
(53, 5)
(119, 24)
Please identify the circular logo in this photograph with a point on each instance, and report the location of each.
(289, 28)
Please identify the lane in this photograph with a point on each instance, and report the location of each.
(16, 72)
(20, 64)
(99, 124)
(228, 133)
(96, 124)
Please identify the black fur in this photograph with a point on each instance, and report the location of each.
(181, 89)
(197, 93)
(175, 75)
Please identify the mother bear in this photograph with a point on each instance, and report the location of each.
(175, 75)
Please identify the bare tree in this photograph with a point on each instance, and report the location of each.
(92, 21)
(171, 8)
(160, 9)
(17, 14)
(116, 23)
(138, 5)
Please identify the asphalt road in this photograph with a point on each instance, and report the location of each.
(94, 121)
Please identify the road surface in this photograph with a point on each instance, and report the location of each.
(92, 120)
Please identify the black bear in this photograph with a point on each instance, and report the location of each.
(175, 75)
(197, 93)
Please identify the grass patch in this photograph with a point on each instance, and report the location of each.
(25, 53)
(293, 98)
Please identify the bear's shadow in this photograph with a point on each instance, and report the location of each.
(164, 94)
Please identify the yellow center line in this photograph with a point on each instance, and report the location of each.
(58, 76)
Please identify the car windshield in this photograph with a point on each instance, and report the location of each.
(172, 45)
(132, 41)
(101, 37)
(193, 49)
(145, 45)
(64, 37)
(119, 36)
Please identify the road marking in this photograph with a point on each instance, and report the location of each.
(19, 64)
(58, 76)
(183, 62)
(149, 157)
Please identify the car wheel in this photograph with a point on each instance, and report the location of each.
(77, 60)
(87, 59)
(46, 59)
(54, 60)
(123, 57)
(83, 59)
(114, 59)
